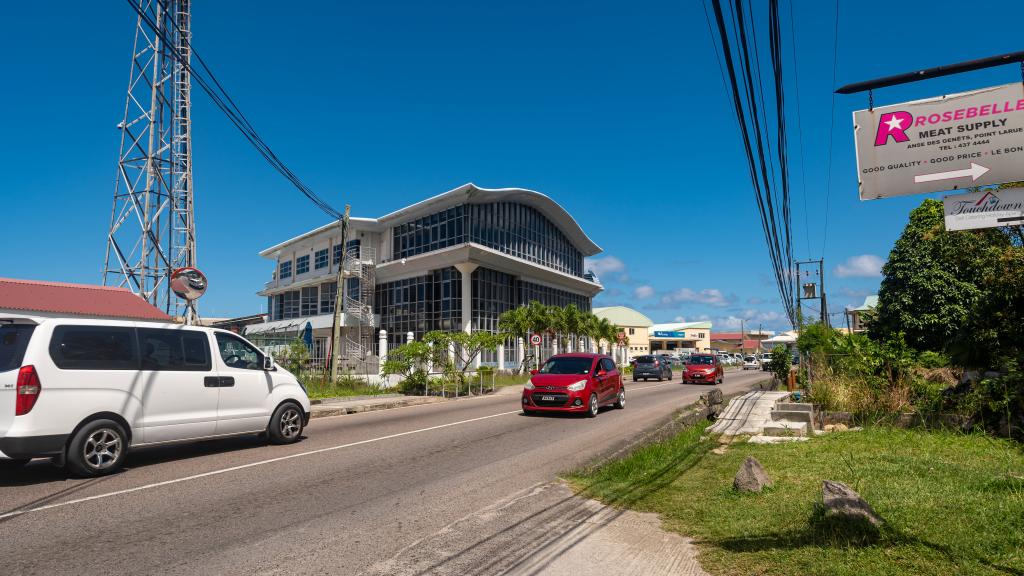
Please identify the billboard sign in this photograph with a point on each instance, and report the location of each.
(946, 143)
(673, 334)
(984, 209)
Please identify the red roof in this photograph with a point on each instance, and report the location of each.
(726, 335)
(76, 299)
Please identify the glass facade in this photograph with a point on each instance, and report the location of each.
(286, 270)
(302, 264)
(419, 305)
(514, 229)
(304, 302)
(434, 302)
(440, 230)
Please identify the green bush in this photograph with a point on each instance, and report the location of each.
(414, 383)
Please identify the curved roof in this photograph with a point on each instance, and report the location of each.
(623, 316)
(471, 193)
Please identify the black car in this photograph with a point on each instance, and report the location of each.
(648, 367)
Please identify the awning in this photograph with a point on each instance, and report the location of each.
(292, 325)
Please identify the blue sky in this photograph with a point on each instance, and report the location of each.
(615, 109)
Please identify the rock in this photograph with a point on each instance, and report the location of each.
(841, 500)
(751, 477)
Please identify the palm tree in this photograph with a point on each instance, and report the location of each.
(590, 327)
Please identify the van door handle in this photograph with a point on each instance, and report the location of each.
(227, 381)
(218, 381)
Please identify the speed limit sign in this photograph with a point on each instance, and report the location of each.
(535, 339)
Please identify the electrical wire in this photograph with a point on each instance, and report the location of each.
(226, 104)
(799, 126)
(831, 130)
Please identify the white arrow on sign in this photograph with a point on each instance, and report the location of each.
(975, 172)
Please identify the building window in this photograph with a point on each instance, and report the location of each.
(328, 295)
(308, 301)
(632, 331)
(286, 270)
(302, 265)
(290, 305)
(336, 258)
(320, 259)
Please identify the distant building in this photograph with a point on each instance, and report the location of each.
(58, 299)
(681, 337)
(750, 341)
(856, 316)
(635, 325)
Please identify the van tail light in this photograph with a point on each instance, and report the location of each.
(28, 390)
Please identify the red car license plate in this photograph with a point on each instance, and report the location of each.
(547, 398)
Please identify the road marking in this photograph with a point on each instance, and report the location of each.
(249, 465)
(278, 459)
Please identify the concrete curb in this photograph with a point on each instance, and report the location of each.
(333, 409)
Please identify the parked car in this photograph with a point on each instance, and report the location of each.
(704, 368)
(574, 383)
(667, 358)
(751, 363)
(766, 360)
(650, 366)
(84, 392)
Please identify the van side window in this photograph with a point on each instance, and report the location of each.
(182, 350)
(13, 342)
(237, 353)
(94, 348)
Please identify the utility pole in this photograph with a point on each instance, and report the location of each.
(339, 301)
(743, 332)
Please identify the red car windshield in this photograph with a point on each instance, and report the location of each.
(706, 360)
(567, 366)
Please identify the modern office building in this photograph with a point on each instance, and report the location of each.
(452, 262)
(681, 337)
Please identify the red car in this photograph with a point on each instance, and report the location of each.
(574, 383)
(703, 368)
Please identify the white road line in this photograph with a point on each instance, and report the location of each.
(272, 460)
(249, 465)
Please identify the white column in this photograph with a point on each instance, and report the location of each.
(409, 336)
(554, 346)
(501, 356)
(466, 271)
(383, 352)
(520, 350)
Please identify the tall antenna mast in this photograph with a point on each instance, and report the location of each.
(152, 223)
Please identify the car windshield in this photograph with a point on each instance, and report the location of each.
(567, 366)
(750, 359)
(645, 360)
(13, 341)
(701, 360)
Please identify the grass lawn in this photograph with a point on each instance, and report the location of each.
(318, 389)
(953, 504)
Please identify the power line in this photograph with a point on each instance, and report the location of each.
(227, 105)
(831, 130)
(799, 127)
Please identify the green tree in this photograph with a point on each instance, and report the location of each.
(409, 361)
(780, 363)
(933, 279)
(466, 348)
(295, 358)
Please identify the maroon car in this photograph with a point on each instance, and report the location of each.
(574, 383)
(703, 369)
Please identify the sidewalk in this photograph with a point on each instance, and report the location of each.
(357, 404)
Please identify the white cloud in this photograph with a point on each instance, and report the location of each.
(863, 266)
(679, 319)
(709, 296)
(643, 292)
(602, 266)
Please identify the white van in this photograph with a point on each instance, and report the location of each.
(83, 391)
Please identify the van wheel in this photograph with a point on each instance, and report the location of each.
(97, 449)
(285, 425)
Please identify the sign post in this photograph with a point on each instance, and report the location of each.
(984, 209)
(946, 143)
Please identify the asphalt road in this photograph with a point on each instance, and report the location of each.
(359, 490)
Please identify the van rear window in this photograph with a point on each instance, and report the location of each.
(94, 348)
(13, 342)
